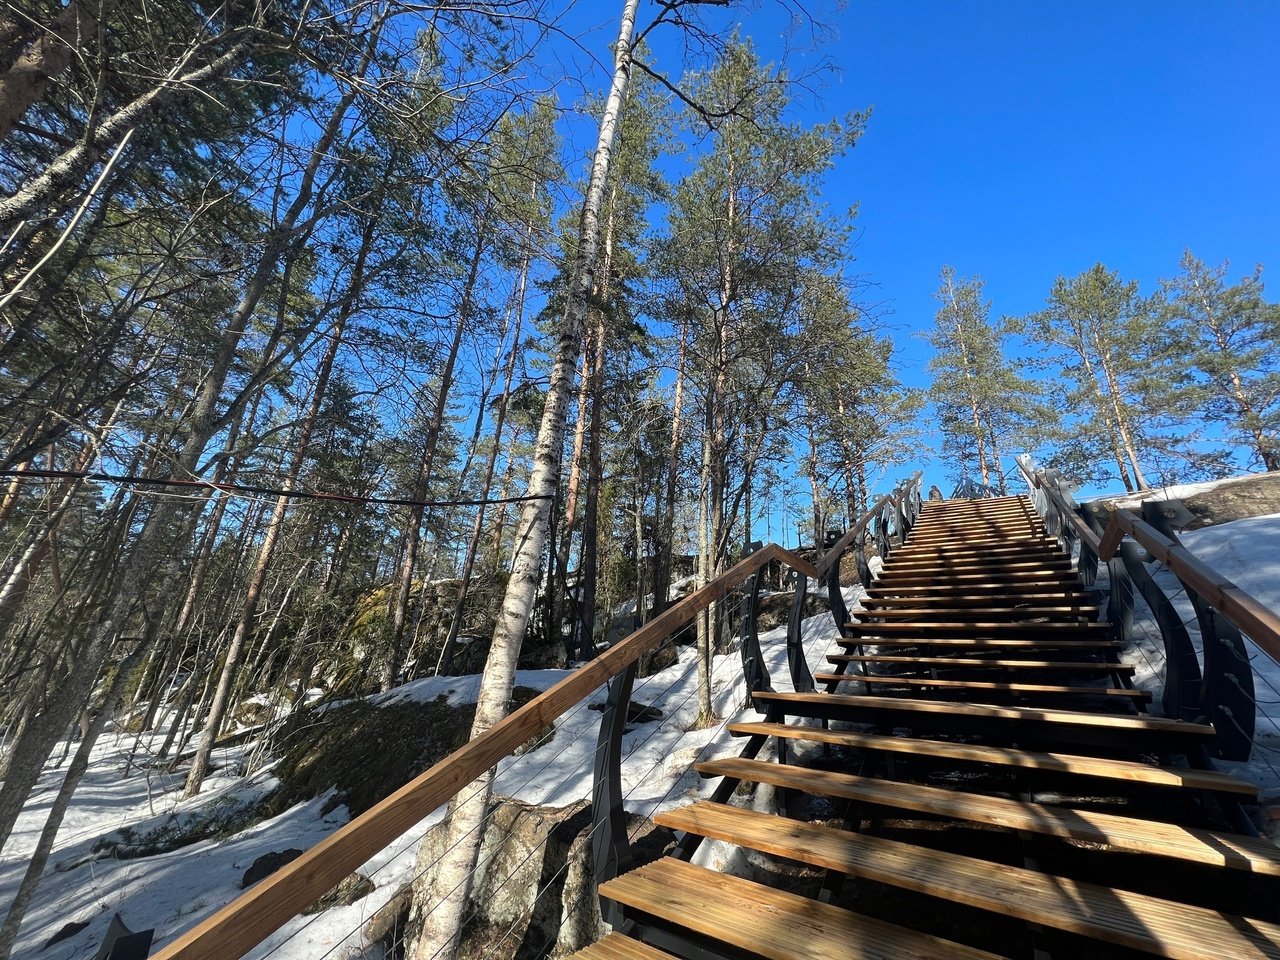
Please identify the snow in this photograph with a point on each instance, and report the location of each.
(175, 890)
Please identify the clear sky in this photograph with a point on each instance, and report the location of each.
(1024, 140)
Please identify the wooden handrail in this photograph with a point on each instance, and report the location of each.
(257, 913)
(1247, 612)
(837, 550)
(843, 544)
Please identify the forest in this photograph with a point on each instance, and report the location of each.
(328, 363)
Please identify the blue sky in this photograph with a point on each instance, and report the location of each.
(1021, 141)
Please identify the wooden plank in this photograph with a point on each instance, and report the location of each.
(1028, 610)
(926, 663)
(987, 643)
(1140, 922)
(257, 913)
(762, 922)
(959, 685)
(1081, 599)
(1209, 847)
(617, 947)
(1126, 771)
(834, 701)
(993, 628)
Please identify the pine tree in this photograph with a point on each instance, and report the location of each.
(1117, 379)
(1234, 340)
(982, 402)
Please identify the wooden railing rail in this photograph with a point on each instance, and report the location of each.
(257, 913)
(1249, 614)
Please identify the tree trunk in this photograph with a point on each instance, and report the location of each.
(58, 810)
(445, 663)
(398, 614)
(662, 574)
(443, 927)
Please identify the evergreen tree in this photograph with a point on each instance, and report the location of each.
(1114, 368)
(981, 401)
(1233, 336)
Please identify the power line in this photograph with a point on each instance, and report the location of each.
(255, 490)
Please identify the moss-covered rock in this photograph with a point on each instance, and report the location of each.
(368, 752)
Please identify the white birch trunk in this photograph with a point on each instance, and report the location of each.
(443, 927)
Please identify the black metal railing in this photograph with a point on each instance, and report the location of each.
(1210, 681)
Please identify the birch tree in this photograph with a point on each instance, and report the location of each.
(443, 926)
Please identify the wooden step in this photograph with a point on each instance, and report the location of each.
(1009, 722)
(985, 643)
(617, 947)
(924, 613)
(1127, 771)
(994, 538)
(981, 628)
(974, 564)
(1059, 588)
(1133, 920)
(959, 686)
(1080, 601)
(1007, 551)
(1212, 848)
(926, 663)
(768, 923)
(999, 578)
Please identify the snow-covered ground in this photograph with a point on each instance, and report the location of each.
(173, 891)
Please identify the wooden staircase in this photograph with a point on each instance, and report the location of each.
(978, 778)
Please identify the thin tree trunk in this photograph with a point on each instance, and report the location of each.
(443, 926)
(399, 612)
(275, 527)
(58, 810)
(473, 545)
(662, 575)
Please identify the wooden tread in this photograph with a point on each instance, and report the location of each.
(1133, 920)
(832, 705)
(897, 564)
(1193, 845)
(960, 685)
(617, 947)
(982, 643)
(1123, 770)
(1012, 601)
(994, 627)
(923, 614)
(926, 663)
(768, 923)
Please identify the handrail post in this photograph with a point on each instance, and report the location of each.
(754, 669)
(610, 848)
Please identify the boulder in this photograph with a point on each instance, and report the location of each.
(534, 889)
(267, 864)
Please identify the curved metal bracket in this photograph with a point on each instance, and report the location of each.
(610, 848)
(801, 678)
(754, 670)
(1227, 694)
(1181, 698)
(835, 596)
